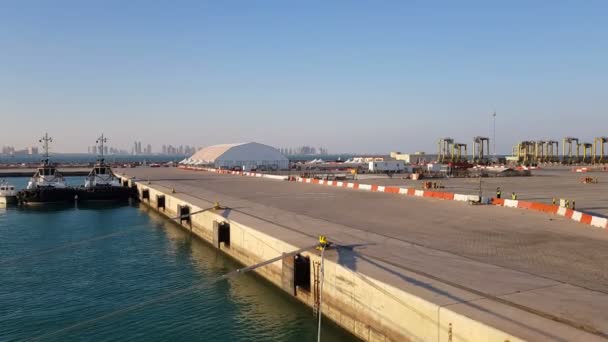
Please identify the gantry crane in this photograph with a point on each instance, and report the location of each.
(568, 145)
(525, 151)
(445, 148)
(601, 157)
(586, 147)
(481, 146)
(536, 151)
(539, 151)
(552, 152)
(457, 155)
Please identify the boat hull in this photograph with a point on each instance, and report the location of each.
(46, 195)
(103, 193)
(4, 200)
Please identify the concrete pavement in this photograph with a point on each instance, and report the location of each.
(442, 251)
(542, 186)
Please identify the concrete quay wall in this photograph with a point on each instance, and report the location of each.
(366, 307)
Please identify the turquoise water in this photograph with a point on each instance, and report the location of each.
(71, 267)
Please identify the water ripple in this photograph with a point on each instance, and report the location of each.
(60, 268)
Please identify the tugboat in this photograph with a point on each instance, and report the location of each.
(102, 184)
(8, 194)
(47, 185)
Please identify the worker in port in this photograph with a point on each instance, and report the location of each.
(498, 193)
(513, 196)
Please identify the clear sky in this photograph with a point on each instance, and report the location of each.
(364, 76)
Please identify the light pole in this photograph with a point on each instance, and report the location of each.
(494, 134)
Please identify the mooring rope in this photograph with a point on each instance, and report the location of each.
(320, 313)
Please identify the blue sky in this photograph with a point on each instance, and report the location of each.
(364, 76)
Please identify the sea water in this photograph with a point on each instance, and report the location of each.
(122, 272)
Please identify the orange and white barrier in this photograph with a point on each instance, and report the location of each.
(595, 221)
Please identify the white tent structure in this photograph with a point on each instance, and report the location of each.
(245, 156)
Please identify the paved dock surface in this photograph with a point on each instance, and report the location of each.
(544, 264)
(544, 185)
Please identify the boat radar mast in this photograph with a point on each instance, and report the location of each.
(101, 141)
(45, 140)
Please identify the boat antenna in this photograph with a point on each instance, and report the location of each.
(45, 140)
(101, 141)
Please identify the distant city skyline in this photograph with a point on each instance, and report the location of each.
(354, 77)
(107, 150)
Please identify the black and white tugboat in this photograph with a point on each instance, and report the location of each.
(102, 184)
(47, 185)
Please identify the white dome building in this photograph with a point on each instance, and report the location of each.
(245, 156)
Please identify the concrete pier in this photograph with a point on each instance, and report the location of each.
(409, 268)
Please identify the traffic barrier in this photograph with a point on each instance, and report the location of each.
(461, 197)
(600, 222)
(367, 187)
(473, 198)
(525, 205)
(392, 189)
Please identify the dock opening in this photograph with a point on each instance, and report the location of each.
(301, 273)
(295, 274)
(184, 213)
(160, 202)
(145, 194)
(221, 233)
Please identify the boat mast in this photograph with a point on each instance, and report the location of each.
(45, 146)
(101, 141)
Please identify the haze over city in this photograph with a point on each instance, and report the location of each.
(352, 77)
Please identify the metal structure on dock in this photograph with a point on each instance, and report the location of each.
(450, 151)
(481, 149)
(569, 145)
(600, 157)
(457, 153)
(446, 150)
(536, 151)
(587, 152)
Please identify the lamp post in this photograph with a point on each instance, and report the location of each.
(494, 134)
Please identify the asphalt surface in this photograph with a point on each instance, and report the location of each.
(544, 185)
